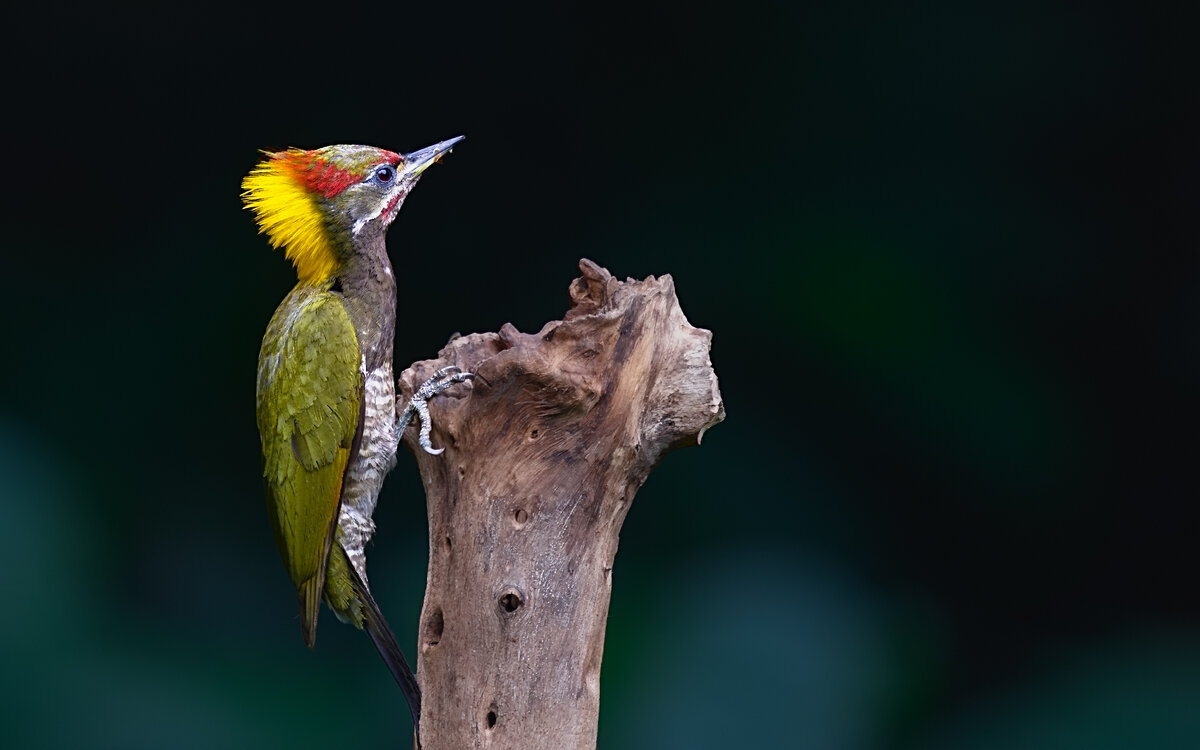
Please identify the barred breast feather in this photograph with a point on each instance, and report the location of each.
(365, 471)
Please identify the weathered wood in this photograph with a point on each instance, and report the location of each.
(545, 449)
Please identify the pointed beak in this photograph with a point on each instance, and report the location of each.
(418, 161)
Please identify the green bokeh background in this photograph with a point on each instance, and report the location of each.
(948, 255)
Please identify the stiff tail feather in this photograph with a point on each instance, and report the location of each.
(385, 643)
(310, 607)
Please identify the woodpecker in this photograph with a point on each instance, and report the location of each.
(326, 393)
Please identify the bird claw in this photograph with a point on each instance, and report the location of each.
(419, 404)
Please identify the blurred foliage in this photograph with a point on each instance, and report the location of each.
(948, 256)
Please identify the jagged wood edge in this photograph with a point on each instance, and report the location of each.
(586, 406)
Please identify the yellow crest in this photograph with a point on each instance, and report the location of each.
(289, 214)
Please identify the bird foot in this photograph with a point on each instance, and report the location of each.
(419, 403)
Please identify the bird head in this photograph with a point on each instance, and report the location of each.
(318, 205)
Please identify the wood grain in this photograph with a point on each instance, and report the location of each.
(545, 450)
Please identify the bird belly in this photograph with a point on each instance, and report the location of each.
(366, 471)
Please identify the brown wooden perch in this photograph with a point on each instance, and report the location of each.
(545, 450)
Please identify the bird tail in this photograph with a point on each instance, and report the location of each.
(310, 606)
(385, 643)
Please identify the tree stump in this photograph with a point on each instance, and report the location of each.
(544, 451)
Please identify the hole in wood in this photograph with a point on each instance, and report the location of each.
(510, 601)
(533, 434)
(491, 718)
(520, 517)
(449, 544)
(434, 627)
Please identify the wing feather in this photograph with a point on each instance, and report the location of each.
(309, 400)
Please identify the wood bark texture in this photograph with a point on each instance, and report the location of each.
(544, 451)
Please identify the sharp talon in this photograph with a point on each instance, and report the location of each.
(419, 404)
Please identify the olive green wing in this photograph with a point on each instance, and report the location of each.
(309, 401)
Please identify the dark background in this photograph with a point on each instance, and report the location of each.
(948, 255)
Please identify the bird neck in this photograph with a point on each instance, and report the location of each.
(368, 286)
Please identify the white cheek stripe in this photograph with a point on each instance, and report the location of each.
(358, 225)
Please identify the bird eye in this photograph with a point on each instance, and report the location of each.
(385, 174)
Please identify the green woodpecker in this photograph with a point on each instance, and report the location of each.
(326, 393)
